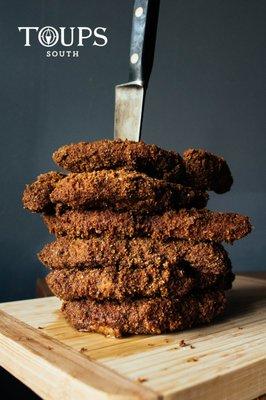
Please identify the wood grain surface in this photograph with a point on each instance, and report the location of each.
(226, 360)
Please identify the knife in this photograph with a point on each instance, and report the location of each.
(130, 96)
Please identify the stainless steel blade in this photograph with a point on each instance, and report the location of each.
(128, 111)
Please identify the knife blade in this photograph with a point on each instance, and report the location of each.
(130, 96)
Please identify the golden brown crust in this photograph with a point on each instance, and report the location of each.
(123, 190)
(118, 190)
(139, 282)
(115, 154)
(201, 225)
(87, 224)
(145, 252)
(120, 283)
(199, 168)
(153, 316)
(36, 196)
(197, 225)
(206, 170)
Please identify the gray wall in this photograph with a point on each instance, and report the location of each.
(207, 90)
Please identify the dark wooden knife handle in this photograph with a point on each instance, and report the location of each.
(143, 39)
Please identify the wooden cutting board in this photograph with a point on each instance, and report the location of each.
(226, 360)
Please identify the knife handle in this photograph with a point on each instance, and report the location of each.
(143, 38)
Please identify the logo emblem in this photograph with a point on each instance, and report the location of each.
(71, 37)
(48, 36)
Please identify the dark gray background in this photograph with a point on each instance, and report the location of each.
(207, 90)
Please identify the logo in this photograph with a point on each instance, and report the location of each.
(48, 36)
(71, 37)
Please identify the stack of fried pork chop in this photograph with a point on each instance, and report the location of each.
(136, 251)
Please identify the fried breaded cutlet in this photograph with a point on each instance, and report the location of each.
(122, 190)
(203, 169)
(117, 190)
(36, 196)
(115, 154)
(166, 280)
(206, 170)
(145, 252)
(120, 283)
(152, 316)
(197, 225)
(201, 225)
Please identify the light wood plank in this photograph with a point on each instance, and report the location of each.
(229, 356)
(55, 371)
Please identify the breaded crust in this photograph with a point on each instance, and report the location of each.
(123, 190)
(145, 252)
(199, 168)
(153, 316)
(138, 282)
(115, 154)
(119, 190)
(120, 283)
(206, 170)
(192, 224)
(36, 196)
(201, 225)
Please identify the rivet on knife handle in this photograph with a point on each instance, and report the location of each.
(129, 99)
(144, 27)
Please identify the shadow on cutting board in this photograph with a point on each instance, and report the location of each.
(243, 299)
